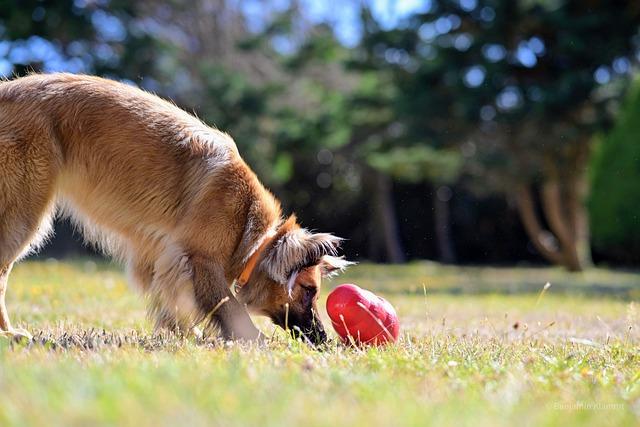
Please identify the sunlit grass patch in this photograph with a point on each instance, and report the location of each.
(483, 357)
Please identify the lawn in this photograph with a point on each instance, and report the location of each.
(479, 346)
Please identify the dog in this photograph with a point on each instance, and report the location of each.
(160, 191)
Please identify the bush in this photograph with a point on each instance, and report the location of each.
(615, 185)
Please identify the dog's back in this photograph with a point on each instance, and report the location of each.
(94, 129)
(123, 163)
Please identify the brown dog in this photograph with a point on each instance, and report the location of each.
(161, 191)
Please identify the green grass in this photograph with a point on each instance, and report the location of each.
(478, 348)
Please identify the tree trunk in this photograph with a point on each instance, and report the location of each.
(386, 221)
(560, 223)
(567, 218)
(577, 187)
(562, 199)
(541, 238)
(578, 191)
(446, 251)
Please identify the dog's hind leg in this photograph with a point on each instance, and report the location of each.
(19, 235)
(28, 172)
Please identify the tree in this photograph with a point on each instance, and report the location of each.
(615, 178)
(346, 112)
(423, 163)
(411, 144)
(90, 37)
(530, 82)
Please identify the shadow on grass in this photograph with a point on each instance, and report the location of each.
(625, 293)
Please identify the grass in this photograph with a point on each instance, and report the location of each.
(477, 348)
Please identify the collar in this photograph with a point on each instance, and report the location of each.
(253, 260)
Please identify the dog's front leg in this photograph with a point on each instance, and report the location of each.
(234, 321)
(214, 298)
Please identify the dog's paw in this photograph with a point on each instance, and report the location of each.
(17, 334)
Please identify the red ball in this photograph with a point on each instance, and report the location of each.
(361, 316)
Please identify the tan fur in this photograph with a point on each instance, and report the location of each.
(150, 185)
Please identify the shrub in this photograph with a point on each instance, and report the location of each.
(615, 185)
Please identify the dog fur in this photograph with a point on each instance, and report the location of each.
(154, 187)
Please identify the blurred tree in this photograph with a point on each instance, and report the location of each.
(421, 163)
(338, 114)
(199, 63)
(615, 177)
(529, 82)
(409, 144)
(80, 36)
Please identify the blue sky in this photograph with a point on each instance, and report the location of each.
(342, 15)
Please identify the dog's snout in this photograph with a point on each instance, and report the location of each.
(316, 335)
(308, 327)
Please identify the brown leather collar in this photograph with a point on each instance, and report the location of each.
(253, 259)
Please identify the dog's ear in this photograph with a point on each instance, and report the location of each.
(297, 248)
(332, 266)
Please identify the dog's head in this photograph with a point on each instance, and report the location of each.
(286, 283)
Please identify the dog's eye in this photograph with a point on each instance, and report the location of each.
(309, 289)
(309, 293)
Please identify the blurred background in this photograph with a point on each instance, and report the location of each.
(463, 131)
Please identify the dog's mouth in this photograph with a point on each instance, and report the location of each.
(315, 336)
(311, 331)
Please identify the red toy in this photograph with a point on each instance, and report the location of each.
(361, 317)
